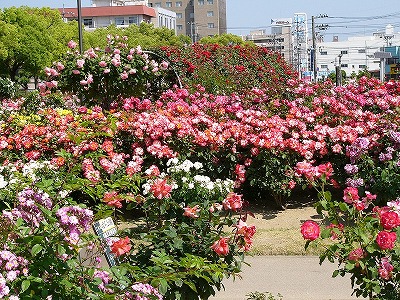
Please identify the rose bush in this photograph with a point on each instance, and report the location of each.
(362, 237)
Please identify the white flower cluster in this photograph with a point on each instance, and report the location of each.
(30, 168)
(185, 166)
(198, 180)
(8, 171)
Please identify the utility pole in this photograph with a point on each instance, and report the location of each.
(314, 42)
(313, 50)
(192, 32)
(80, 26)
(339, 72)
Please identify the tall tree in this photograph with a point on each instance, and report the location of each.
(30, 39)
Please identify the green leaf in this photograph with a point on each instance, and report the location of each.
(163, 286)
(36, 249)
(191, 285)
(25, 285)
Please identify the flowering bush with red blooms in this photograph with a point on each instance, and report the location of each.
(362, 235)
(230, 69)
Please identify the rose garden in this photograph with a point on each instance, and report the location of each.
(177, 142)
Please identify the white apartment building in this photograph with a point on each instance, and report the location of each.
(354, 54)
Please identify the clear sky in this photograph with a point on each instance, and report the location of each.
(346, 17)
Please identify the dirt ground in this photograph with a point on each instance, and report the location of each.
(278, 231)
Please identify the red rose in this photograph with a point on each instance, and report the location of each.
(390, 220)
(121, 246)
(221, 247)
(386, 240)
(310, 230)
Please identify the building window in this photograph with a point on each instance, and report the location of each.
(324, 66)
(210, 2)
(157, 4)
(210, 25)
(361, 50)
(362, 66)
(179, 15)
(344, 65)
(168, 4)
(210, 13)
(133, 20)
(179, 27)
(178, 3)
(323, 53)
(119, 21)
(191, 2)
(150, 4)
(88, 23)
(201, 2)
(343, 52)
(191, 15)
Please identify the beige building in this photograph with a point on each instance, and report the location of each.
(196, 18)
(279, 40)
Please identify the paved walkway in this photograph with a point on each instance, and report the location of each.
(294, 277)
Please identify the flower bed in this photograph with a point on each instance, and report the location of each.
(180, 161)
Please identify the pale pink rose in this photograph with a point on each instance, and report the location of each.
(124, 75)
(76, 72)
(83, 82)
(132, 71)
(72, 44)
(80, 63)
(116, 62)
(90, 79)
(60, 66)
(106, 71)
(103, 64)
(129, 57)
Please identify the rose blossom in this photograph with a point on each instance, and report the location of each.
(389, 220)
(350, 195)
(386, 240)
(233, 201)
(310, 230)
(356, 255)
(121, 246)
(191, 212)
(385, 269)
(221, 247)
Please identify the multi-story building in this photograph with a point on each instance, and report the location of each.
(196, 18)
(280, 38)
(356, 54)
(122, 13)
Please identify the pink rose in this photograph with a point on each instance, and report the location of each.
(191, 212)
(310, 230)
(350, 195)
(386, 240)
(233, 202)
(390, 220)
(385, 269)
(221, 247)
(356, 255)
(72, 44)
(103, 64)
(80, 63)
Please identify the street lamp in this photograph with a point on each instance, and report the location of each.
(79, 4)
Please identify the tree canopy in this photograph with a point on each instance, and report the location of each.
(30, 39)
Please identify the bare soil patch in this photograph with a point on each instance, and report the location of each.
(278, 231)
